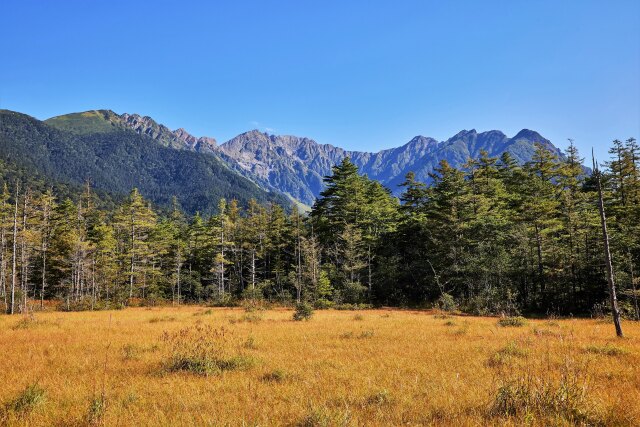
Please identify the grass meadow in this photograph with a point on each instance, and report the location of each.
(194, 365)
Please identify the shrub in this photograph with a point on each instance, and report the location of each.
(354, 292)
(492, 302)
(512, 321)
(446, 303)
(304, 311)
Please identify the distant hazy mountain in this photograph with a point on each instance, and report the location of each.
(100, 147)
(295, 166)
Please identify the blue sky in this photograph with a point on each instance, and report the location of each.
(363, 75)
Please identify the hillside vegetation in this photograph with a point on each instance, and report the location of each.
(119, 160)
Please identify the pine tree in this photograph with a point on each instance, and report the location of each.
(134, 221)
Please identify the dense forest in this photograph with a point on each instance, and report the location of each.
(491, 237)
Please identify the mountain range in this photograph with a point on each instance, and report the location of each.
(119, 151)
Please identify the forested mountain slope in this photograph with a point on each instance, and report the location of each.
(115, 159)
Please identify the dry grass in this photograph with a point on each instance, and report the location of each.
(178, 366)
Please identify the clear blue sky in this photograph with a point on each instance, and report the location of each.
(363, 75)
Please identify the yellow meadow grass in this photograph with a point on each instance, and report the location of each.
(377, 367)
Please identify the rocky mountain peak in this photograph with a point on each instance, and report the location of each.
(530, 135)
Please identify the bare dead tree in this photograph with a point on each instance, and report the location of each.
(14, 253)
(615, 311)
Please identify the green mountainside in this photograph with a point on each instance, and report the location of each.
(115, 160)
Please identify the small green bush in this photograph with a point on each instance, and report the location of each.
(446, 303)
(304, 311)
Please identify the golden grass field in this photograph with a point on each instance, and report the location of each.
(372, 367)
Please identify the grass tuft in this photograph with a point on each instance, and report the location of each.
(507, 353)
(159, 319)
(380, 398)
(204, 350)
(606, 350)
(31, 397)
(275, 376)
(26, 323)
(249, 317)
(517, 321)
(97, 410)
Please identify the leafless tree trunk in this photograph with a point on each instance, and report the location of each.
(178, 268)
(3, 262)
(607, 256)
(298, 260)
(253, 269)
(133, 256)
(24, 263)
(15, 249)
(45, 231)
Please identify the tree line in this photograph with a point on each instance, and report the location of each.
(491, 237)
